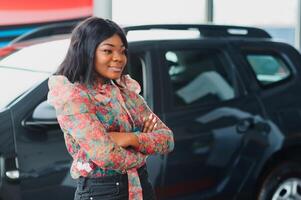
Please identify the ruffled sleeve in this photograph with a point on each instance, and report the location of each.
(59, 91)
(66, 98)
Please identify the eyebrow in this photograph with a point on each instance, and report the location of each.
(111, 45)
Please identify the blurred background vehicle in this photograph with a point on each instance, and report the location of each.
(39, 35)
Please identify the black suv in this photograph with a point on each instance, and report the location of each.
(231, 95)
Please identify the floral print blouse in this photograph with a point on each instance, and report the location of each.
(87, 113)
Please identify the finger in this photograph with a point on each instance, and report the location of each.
(152, 121)
(152, 125)
(153, 128)
(147, 123)
(143, 127)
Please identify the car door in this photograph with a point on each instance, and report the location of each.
(274, 68)
(141, 66)
(211, 114)
(9, 189)
(41, 153)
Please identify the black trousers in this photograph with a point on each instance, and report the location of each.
(113, 187)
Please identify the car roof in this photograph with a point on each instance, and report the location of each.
(203, 30)
(148, 32)
(42, 51)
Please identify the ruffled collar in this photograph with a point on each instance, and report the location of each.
(124, 82)
(103, 91)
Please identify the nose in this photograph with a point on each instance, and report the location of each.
(118, 57)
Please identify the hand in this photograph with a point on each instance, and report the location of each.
(149, 124)
(124, 139)
(120, 138)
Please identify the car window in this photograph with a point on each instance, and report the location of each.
(268, 68)
(198, 77)
(136, 69)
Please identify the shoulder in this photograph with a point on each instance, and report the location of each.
(58, 81)
(64, 87)
(62, 91)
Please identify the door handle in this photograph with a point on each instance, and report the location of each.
(249, 123)
(244, 125)
(40, 124)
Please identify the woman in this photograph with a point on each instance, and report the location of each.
(108, 128)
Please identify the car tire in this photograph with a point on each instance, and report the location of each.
(283, 182)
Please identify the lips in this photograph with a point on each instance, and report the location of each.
(115, 69)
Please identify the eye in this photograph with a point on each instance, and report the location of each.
(107, 51)
(124, 51)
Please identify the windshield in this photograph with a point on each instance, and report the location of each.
(14, 82)
(44, 57)
(23, 69)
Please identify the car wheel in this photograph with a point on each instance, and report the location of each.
(283, 182)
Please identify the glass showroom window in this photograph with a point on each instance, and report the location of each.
(279, 18)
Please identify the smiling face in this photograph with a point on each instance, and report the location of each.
(110, 58)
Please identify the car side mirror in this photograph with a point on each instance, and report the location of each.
(44, 112)
(43, 117)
